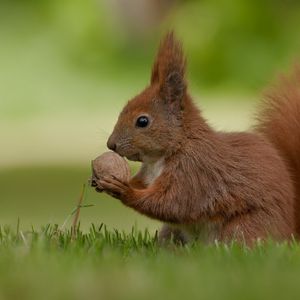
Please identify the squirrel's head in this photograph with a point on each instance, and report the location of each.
(150, 125)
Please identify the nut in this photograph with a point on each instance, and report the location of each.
(109, 164)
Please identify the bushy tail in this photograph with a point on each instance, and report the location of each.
(279, 121)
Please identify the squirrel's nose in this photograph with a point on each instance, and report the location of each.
(111, 145)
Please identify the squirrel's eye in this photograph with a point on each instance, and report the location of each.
(142, 122)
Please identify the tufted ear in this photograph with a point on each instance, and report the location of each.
(169, 71)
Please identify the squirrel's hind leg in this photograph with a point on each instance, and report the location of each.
(168, 234)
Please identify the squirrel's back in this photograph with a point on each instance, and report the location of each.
(279, 122)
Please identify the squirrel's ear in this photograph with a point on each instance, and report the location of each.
(169, 70)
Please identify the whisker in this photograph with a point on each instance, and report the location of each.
(124, 146)
(103, 131)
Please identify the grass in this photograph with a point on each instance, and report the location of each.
(50, 264)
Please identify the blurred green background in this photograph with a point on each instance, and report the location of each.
(68, 66)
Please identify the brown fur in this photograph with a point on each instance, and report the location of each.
(279, 121)
(205, 184)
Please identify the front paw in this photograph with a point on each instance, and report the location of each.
(114, 187)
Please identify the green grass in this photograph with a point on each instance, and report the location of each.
(102, 264)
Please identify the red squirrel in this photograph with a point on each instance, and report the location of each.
(203, 184)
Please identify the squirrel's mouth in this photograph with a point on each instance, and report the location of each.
(134, 157)
(130, 155)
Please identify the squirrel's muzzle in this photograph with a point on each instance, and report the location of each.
(111, 144)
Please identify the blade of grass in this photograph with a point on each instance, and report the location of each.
(77, 214)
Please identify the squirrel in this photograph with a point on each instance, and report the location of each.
(203, 184)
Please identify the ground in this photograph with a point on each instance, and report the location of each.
(102, 264)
